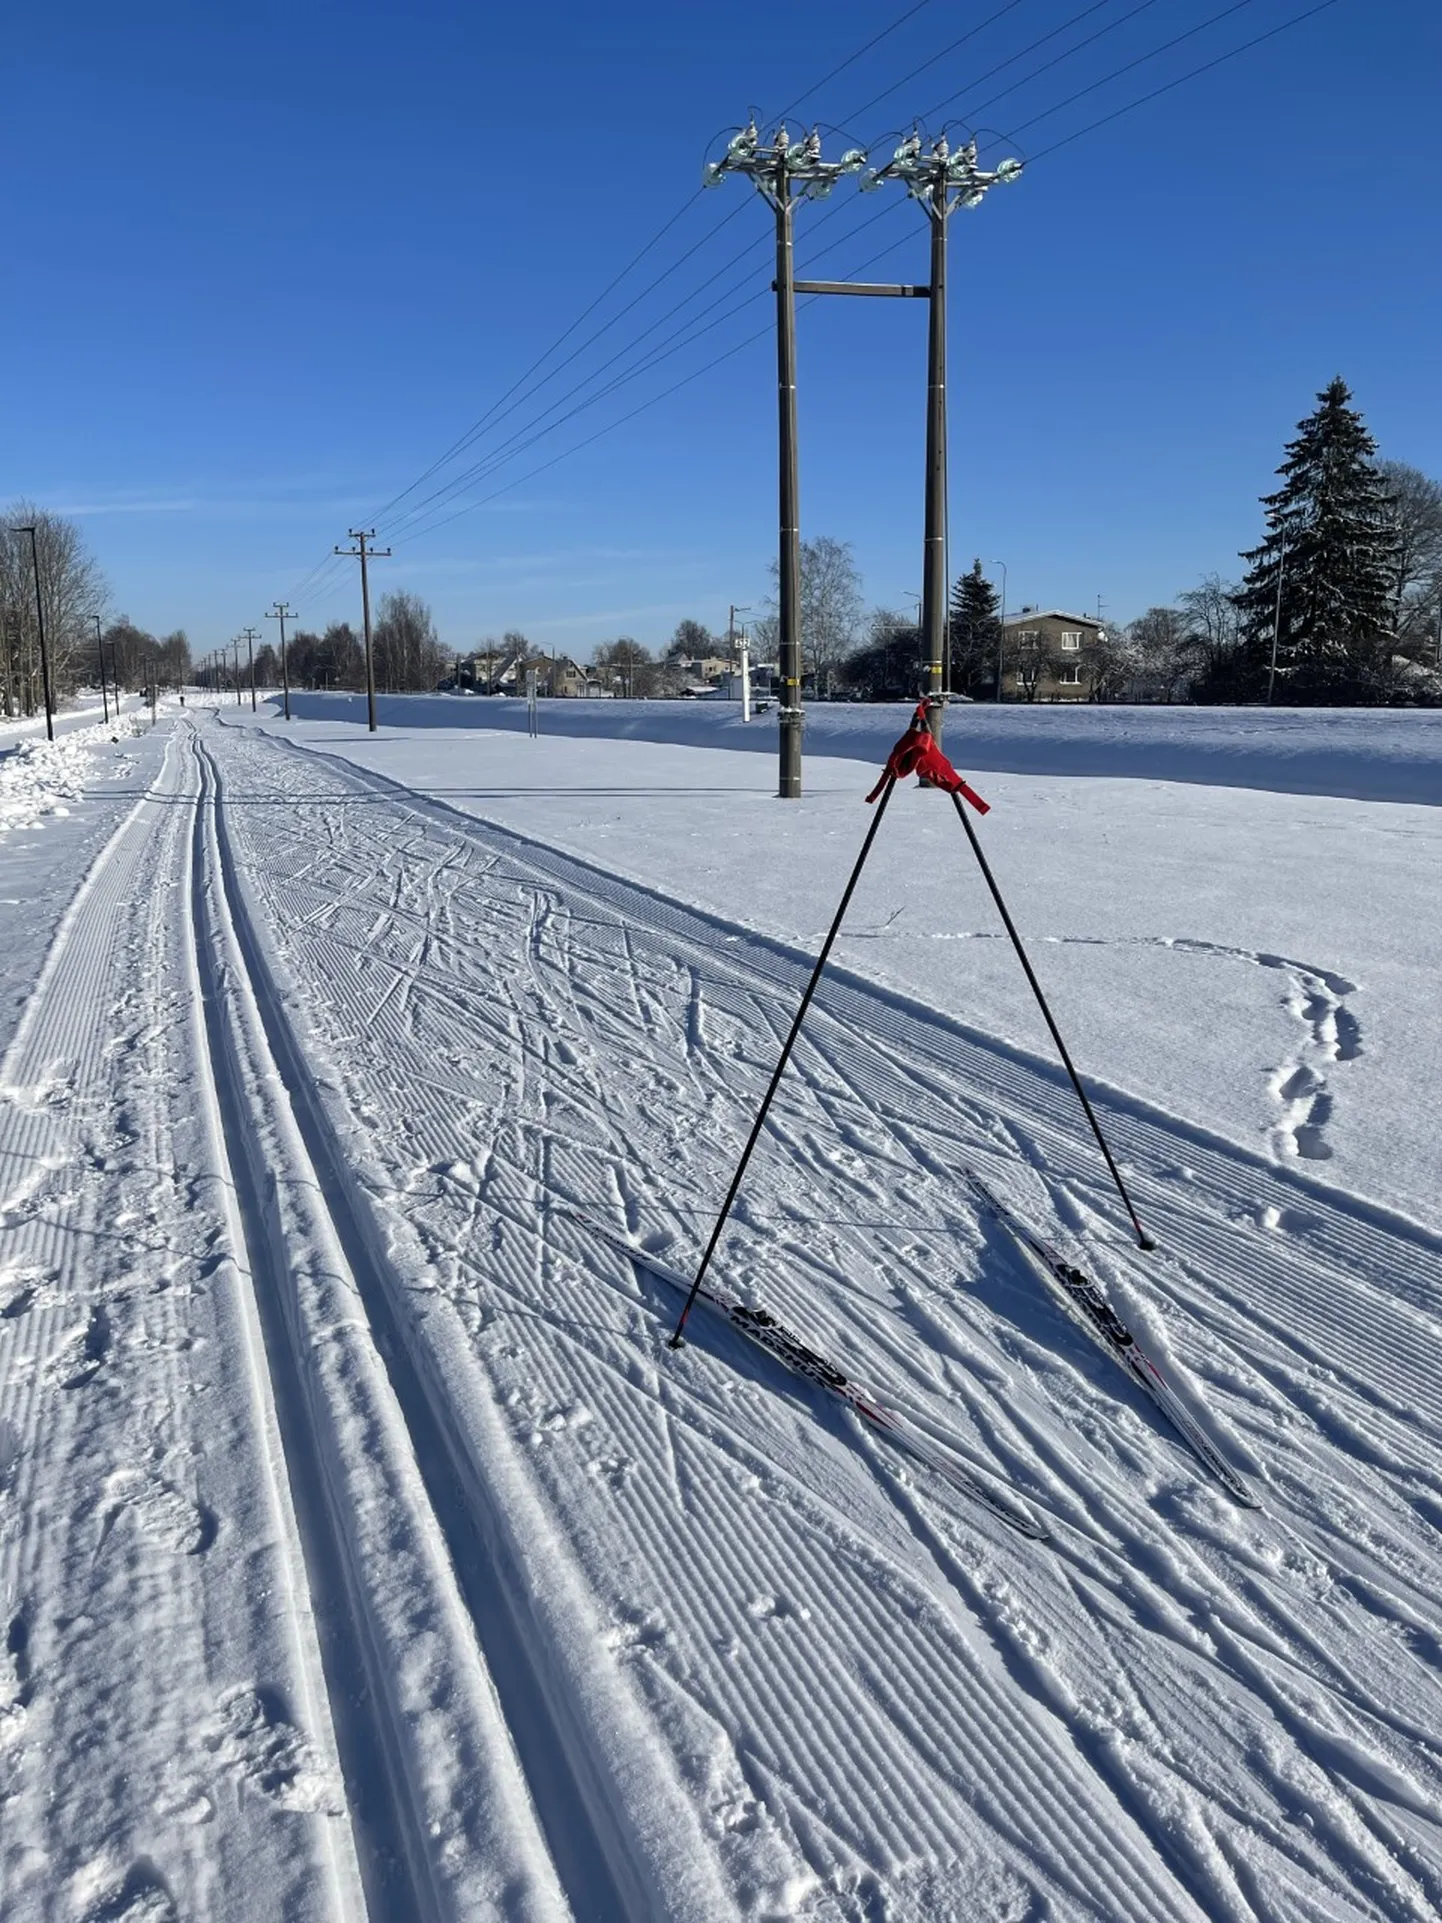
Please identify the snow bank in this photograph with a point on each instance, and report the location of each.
(39, 778)
(1360, 754)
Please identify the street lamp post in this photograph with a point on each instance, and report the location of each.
(100, 657)
(1277, 617)
(782, 173)
(939, 182)
(40, 625)
(1001, 631)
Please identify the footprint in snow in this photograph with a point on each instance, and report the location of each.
(253, 1739)
(80, 1358)
(159, 1512)
(138, 1895)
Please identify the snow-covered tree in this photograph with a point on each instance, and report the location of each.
(1330, 541)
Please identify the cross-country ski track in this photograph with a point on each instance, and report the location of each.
(366, 1551)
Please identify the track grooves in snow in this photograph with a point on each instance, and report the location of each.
(546, 1042)
(618, 1861)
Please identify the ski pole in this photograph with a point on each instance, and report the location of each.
(1143, 1239)
(787, 1047)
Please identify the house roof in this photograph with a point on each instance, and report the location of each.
(1051, 614)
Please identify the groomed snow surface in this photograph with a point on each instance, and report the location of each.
(365, 1550)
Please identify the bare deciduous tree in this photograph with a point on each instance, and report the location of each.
(72, 588)
(1166, 656)
(408, 655)
(1414, 502)
(831, 606)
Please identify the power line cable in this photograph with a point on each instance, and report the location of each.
(1001, 66)
(500, 457)
(1206, 67)
(851, 59)
(762, 333)
(524, 438)
(1140, 61)
(1168, 87)
(1056, 60)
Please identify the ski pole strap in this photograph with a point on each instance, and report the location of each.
(916, 753)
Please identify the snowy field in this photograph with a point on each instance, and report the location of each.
(365, 1549)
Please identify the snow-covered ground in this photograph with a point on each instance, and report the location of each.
(365, 1548)
(1365, 754)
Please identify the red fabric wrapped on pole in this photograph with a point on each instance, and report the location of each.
(917, 754)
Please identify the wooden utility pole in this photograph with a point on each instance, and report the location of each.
(939, 181)
(363, 554)
(281, 611)
(252, 635)
(782, 174)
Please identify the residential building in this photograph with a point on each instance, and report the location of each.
(1049, 655)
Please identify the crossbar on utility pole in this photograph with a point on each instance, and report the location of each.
(901, 290)
(281, 611)
(364, 554)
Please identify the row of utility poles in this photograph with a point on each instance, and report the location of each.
(281, 611)
(940, 181)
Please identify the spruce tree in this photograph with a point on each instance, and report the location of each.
(975, 633)
(1328, 535)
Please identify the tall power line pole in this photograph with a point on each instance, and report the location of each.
(783, 173)
(40, 626)
(940, 182)
(281, 611)
(252, 635)
(363, 554)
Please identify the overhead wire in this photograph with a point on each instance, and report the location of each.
(1181, 79)
(524, 436)
(695, 374)
(499, 411)
(457, 483)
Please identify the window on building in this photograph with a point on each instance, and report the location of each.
(1069, 677)
(1071, 640)
(1029, 637)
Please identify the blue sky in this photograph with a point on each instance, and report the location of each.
(267, 264)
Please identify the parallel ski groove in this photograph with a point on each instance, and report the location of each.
(526, 1092)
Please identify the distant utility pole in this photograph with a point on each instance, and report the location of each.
(782, 173)
(361, 553)
(252, 635)
(939, 182)
(281, 611)
(235, 643)
(40, 624)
